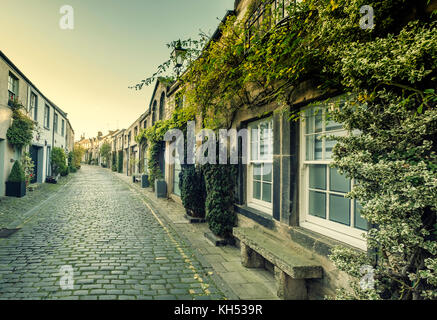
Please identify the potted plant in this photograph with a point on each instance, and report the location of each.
(16, 184)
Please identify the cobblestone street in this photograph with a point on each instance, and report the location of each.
(117, 247)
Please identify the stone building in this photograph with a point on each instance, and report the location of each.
(286, 192)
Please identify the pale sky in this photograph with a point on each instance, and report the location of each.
(115, 44)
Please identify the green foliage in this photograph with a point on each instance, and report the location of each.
(114, 161)
(28, 166)
(78, 152)
(219, 182)
(59, 165)
(120, 162)
(20, 133)
(193, 192)
(105, 152)
(155, 134)
(153, 163)
(17, 173)
(395, 162)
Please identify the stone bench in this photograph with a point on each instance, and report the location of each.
(292, 268)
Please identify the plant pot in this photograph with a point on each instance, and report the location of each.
(145, 181)
(160, 188)
(15, 189)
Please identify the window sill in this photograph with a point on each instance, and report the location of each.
(262, 218)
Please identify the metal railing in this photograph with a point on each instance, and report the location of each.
(263, 8)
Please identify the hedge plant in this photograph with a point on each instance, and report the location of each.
(120, 162)
(59, 165)
(193, 191)
(17, 173)
(219, 204)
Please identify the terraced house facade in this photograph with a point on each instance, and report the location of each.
(52, 127)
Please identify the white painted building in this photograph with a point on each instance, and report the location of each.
(51, 122)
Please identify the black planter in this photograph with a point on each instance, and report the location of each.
(145, 181)
(15, 189)
(160, 188)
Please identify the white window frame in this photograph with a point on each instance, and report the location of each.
(260, 205)
(338, 231)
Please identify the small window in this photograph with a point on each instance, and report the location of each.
(63, 127)
(154, 112)
(12, 87)
(162, 106)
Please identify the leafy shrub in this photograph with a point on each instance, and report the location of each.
(20, 133)
(58, 160)
(395, 163)
(64, 170)
(193, 192)
(17, 173)
(153, 163)
(220, 215)
(114, 162)
(120, 162)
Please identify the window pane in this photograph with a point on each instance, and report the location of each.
(267, 192)
(267, 172)
(257, 172)
(254, 144)
(360, 222)
(318, 120)
(257, 190)
(317, 205)
(314, 147)
(329, 145)
(338, 182)
(318, 176)
(266, 140)
(339, 209)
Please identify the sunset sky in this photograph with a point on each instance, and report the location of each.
(115, 44)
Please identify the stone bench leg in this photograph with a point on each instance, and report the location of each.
(249, 258)
(288, 288)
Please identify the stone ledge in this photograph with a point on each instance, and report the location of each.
(262, 218)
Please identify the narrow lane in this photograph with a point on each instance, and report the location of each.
(97, 230)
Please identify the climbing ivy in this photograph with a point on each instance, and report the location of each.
(20, 133)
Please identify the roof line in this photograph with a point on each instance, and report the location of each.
(13, 66)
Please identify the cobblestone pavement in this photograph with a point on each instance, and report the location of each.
(116, 246)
